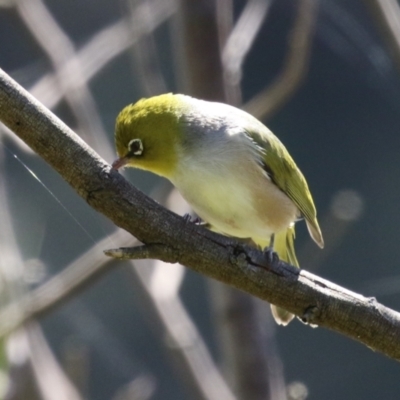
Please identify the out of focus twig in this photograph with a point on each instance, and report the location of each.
(195, 361)
(61, 287)
(240, 41)
(225, 22)
(61, 52)
(248, 344)
(197, 33)
(102, 48)
(49, 376)
(387, 16)
(295, 65)
(145, 53)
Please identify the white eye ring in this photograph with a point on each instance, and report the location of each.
(135, 147)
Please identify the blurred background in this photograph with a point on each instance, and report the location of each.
(323, 75)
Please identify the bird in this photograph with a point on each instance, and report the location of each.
(234, 172)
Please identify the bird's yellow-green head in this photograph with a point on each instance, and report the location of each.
(148, 134)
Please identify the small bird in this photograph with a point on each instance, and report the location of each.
(234, 172)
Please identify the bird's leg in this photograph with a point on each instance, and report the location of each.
(196, 220)
(272, 242)
(187, 218)
(269, 252)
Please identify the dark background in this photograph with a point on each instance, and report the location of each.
(342, 128)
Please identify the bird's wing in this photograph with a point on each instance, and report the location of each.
(283, 171)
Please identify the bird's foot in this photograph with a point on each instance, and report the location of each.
(187, 218)
(194, 220)
(271, 256)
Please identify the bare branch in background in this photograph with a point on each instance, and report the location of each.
(197, 34)
(61, 287)
(145, 52)
(387, 16)
(60, 50)
(245, 320)
(225, 22)
(49, 376)
(239, 44)
(295, 65)
(109, 43)
(194, 360)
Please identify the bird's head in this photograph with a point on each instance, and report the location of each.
(148, 134)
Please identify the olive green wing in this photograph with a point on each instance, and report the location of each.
(283, 171)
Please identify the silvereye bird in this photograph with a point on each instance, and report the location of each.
(233, 171)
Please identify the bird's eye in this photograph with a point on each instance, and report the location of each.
(135, 147)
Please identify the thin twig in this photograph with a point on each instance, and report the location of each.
(59, 288)
(49, 375)
(195, 361)
(295, 66)
(240, 41)
(387, 15)
(60, 50)
(197, 33)
(225, 23)
(104, 46)
(145, 51)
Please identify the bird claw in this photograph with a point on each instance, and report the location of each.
(187, 218)
(194, 220)
(271, 256)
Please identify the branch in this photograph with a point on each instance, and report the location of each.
(387, 16)
(59, 49)
(313, 299)
(190, 355)
(295, 66)
(58, 289)
(239, 43)
(102, 48)
(195, 34)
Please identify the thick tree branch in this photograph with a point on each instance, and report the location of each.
(313, 299)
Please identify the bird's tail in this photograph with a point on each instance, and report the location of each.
(284, 246)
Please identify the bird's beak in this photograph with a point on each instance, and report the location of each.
(120, 162)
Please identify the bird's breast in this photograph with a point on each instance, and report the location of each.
(236, 198)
